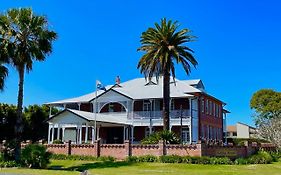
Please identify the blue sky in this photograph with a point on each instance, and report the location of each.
(238, 47)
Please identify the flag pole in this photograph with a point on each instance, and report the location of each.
(96, 109)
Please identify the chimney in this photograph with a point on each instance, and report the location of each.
(117, 80)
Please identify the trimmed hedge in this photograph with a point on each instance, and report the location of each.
(262, 157)
(78, 157)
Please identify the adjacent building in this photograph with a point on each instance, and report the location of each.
(132, 110)
(241, 130)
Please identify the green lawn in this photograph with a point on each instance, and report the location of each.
(120, 168)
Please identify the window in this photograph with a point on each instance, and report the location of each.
(146, 105)
(202, 105)
(185, 135)
(214, 109)
(207, 106)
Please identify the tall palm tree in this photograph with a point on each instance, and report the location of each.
(27, 39)
(3, 75)
(163, 47)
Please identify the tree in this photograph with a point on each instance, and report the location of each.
(3, 75)
(35, 127)
(163, 47)
(8, 116)
(270, 129)
(27, 38)
(267, 104)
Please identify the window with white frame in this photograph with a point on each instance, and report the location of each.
(202, 105)
(146, 105)
(185, 135)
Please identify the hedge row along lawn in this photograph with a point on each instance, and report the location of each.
(71, 167)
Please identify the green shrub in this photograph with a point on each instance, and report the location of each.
(220, 161)
(167, 136)
(57, 141)
(171, 159)
(241, 161)
(132, 159)
(82, 157)
(35, 156)
(276, 155)
(148, 158)
(8, 164)
(262, 157)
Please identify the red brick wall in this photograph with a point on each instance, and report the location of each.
(121, 151)
(140, 150)
(83, 149)
(57, 148)
(210, 119)
(184, 150)
(115, 150)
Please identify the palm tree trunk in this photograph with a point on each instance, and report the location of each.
(166, 101)
(19, 125)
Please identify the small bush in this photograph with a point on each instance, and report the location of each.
(262, 157)
(57, 141)
(35, 156)
(241, 161)
(8, 164)
(148, 158)
(132, 159)
(167, 136)
(220, 161)
(276, 155)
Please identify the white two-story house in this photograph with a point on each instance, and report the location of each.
(133, 109)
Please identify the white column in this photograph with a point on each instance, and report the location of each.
(124, 134)
(98, 132)
(86, 134)
(58, 133)
(49, 134)
(93, 135)
(190, 135)
(53, 133)
(80, 134)
(63, 129)
(64, 106)
(79, 106)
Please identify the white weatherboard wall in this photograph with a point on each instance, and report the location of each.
(242, 131)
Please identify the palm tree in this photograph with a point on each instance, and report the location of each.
(27, 39)
(163, 47)
(3, 75)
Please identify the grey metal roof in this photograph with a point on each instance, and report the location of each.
(100, 117)
(140, 88)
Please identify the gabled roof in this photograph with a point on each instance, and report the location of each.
(140, 88)
(100, 117)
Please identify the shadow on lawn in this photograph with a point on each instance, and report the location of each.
(95, 165)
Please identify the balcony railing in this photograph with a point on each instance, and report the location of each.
(158, 114)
